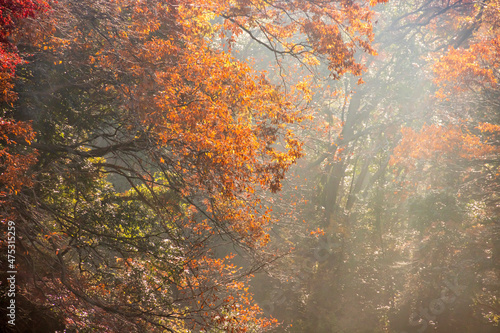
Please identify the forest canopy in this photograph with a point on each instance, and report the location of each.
(250, 165)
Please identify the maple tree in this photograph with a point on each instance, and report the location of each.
(15, 159)
(154, 148)
(11, 14)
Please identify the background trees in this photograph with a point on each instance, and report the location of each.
(398, 184)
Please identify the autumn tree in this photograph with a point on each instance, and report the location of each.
(12, 14)
(15, 135)
(155, 145)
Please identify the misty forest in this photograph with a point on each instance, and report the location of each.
(250, 166)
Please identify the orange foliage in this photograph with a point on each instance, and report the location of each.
(472, 68)
(15, 161)
(225, 289)
(475, 65)
(223, 123)
(466, 73)
(443, 144)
